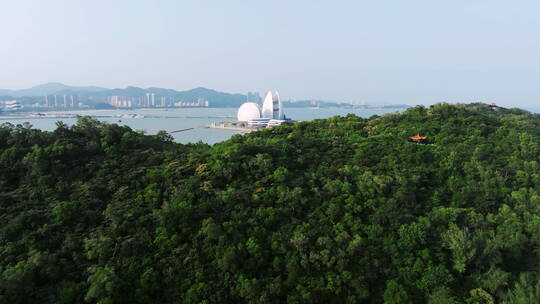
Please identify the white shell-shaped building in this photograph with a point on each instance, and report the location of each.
(271, 114)
(249, 111)
(272, 107)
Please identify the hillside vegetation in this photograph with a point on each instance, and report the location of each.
(340, 210)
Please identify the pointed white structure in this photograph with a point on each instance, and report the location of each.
(280, 114)
(272, 107)
(267, 105)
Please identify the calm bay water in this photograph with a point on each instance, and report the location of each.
(177, 119)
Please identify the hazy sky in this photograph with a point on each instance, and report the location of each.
(374, 51)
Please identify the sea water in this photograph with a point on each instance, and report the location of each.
(153, 120)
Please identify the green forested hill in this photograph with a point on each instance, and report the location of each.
(341, 210)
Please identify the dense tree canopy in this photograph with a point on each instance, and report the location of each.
(340, 210)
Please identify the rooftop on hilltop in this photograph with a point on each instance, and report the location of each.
(418, 138)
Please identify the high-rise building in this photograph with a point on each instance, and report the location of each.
(121, 101)
(201, 102)
(253, 97)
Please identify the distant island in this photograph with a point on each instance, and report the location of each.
(57, 96)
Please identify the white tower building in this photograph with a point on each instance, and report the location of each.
(272, 107)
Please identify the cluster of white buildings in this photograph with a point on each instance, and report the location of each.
(150, 100)
(201, 102)
(270, 114)
(60, 101)
(12, 105)
(120, 101)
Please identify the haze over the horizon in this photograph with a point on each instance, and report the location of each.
(374, 51)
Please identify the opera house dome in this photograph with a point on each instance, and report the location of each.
(249, 111)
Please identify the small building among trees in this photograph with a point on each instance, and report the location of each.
(418, 138)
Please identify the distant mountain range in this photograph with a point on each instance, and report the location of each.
(50, 88)
(95, 95)
(217, 99)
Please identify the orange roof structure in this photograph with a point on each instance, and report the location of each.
(418, 137)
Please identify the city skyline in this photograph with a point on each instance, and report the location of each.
(415, 53)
